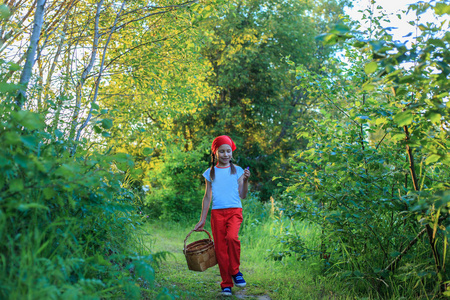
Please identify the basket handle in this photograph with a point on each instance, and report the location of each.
(185, 240)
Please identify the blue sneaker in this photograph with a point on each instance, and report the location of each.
(226, 291)
(238, 280)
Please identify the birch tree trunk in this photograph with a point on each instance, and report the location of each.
(84, 75)
(21, 97)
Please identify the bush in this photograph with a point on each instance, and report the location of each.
(176, 184)
(65, 220)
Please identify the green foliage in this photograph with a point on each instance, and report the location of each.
(251, 47)
(65, 221)
(176, 183)
(374, 176)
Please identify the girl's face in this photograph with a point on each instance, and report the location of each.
(224, 155)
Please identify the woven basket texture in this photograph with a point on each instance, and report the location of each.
(200, 255)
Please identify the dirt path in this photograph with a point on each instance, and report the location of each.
(242, 294)
(266, 279)
(173, 274)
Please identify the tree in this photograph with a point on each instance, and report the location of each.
(252, 46)
(375, 200)
(31, 52)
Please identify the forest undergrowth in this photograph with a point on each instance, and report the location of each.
(268, 276)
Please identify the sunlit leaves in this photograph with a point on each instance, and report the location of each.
(371, 67)
(442, 8)
(432, 158)
(338, 32)
(434, 116)
(403, 118)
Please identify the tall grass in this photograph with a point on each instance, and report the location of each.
(267, 273)
(263, 235)
(285, 257)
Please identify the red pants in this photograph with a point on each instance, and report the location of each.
(225, 224)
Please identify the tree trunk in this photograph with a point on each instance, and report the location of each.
(429, 230)
(31, 53)
(79, 88)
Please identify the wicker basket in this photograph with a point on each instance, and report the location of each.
(200, 255)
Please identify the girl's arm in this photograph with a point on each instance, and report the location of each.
(243, 184)
(205, 207)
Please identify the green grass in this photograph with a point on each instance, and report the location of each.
(266, 278)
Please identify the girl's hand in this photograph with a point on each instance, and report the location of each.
(199, 226)
(246, 173)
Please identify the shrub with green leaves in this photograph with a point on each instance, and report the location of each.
(375, 176)
(68, 224)
(176, 183)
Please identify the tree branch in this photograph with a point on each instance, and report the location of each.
(392, 265)
(100, 73)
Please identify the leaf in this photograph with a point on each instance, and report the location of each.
(397, 137)
(48, 193)
(341, 29)
(408, 79)
(122, 158)
(389, 69)
(21, 160)
(434, 116)
(97, 129)
(66, 170)
(403, 118)
(368, 87)
(432, 158)
(327, 38)
(101, 260)
(381, 120)
(147, 151)
(30, 120)
(12, 138)
(58, 133)
(8, 87)
(16, 185)
(408, 35)
(437, 42)
(370, 67)
(13, 67)
(4, 11)
(30, 141)
(24, 207)
(107, 123)
(376, 45)
(441, 9)
(359, 44)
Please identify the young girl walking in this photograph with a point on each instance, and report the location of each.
(226, 185)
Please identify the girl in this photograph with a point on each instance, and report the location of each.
(226, 185)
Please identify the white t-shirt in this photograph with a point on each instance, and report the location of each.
(225, 187)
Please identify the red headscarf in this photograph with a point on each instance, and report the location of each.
(220, 140)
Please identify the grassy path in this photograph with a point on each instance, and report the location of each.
(266, 279)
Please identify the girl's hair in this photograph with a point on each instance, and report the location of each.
(212, 173)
